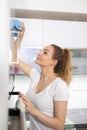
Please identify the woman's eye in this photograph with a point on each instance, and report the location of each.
(45, 52)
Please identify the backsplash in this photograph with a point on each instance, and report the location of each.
(79, 61)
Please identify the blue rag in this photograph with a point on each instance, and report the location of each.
(15, 25)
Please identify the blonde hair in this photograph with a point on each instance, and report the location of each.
(63, 68)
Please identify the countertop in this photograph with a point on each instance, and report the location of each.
(76, 118)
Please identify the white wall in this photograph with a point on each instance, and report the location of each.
(4, 39)
(75, 6)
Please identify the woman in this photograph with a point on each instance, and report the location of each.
(47, 97)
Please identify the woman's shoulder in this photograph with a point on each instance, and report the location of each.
(60, 90)
(60, 82)
(34, 73)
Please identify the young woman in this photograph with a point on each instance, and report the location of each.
(47, 97)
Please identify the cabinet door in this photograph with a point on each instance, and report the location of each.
(33, 33)
(65, 33)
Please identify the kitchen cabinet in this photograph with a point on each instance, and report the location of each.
(78, 97)
(78, 92)
(33, 33)
(68, 34)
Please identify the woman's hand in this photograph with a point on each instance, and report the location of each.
(21, 33)
(28, 105)
(15, 44)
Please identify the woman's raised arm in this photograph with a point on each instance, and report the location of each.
(15, 45)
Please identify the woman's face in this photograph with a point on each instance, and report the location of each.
(44, 57)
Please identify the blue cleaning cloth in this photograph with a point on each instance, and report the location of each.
(18, 25)
(15, 25)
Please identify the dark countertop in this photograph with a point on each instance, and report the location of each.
(76, 118)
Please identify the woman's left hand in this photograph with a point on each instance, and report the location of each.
(28, 105)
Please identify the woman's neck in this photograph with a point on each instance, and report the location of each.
(47, 73)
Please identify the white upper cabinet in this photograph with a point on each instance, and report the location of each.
(39, 33)
(65, 33)
(33, 33)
